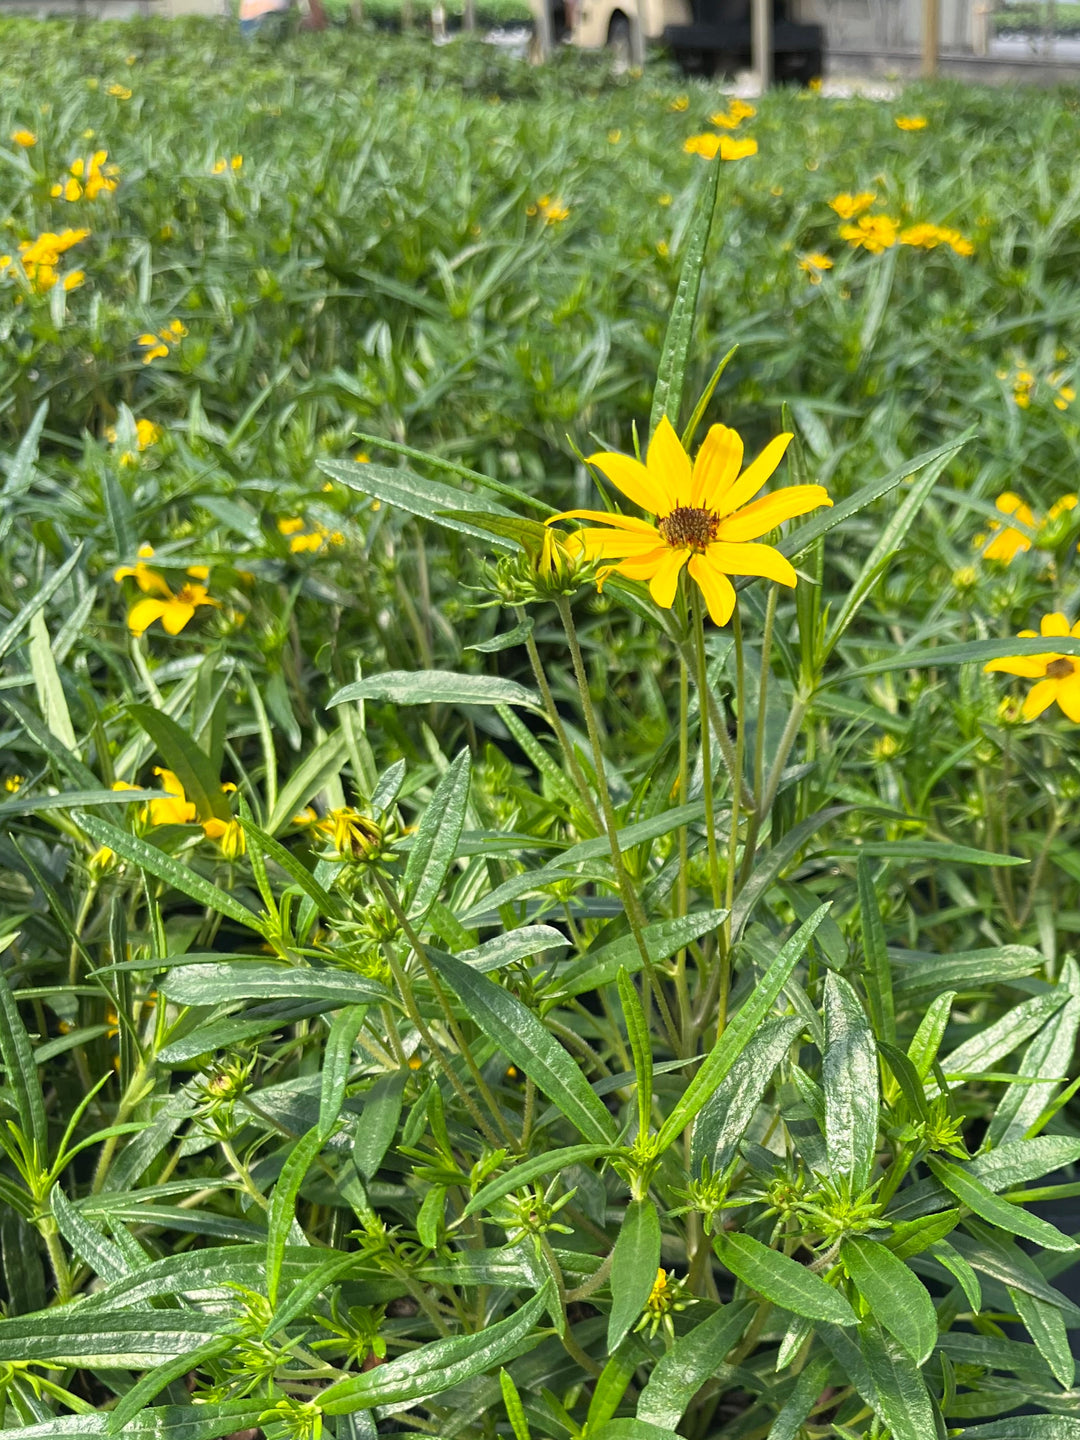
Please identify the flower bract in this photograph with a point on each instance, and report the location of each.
(705, 517)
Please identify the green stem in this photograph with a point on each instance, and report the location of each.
(682, 893)
(49, 1233)
(631, 903)
(736, 803)
(706, 753)
(555, 721)
(757, 814)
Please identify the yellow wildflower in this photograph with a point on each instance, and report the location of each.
(1007, 543)
(664, 199)
(911, 122)
(815, 264)
(119, 92)
(1059, 522)
(736, 113)
(353, 835)
(614, 136)
(680, 103)
(229, 834)
(1023, 388)
(849, 206)
(25, 138)
(175, 809)
(708, 144)
(157, 347)
(218, 167)
(704, 517)
(925, 237)
(874, 233)
(73, 279)
(1066, 394)
(662, 249)
(1058, 676)
(12, 783)
(550, 210)
(173, 610)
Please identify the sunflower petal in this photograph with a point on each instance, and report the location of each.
(1040, 697)
(1068, 697)
(716, 467)
(760, 560)
(633, 480)
(639, 567)
(665, 581)
(606, 517)
(772, 510)
(715, 586)
(143, 614)
(1054, 624)
(606, 544)
(755, 475)
(669, 466)
(1028, 667)
(175, 614)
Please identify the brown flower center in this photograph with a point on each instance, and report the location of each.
(1060, 668)
(688, 528)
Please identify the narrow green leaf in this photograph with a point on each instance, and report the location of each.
(637, 1031)
(694, 1358)
(1046, 1326)
(38, 601)
(903, 1402)
(989, 1045)
(850, 1079)
(515, 1410)
(47, 683)
(876, 956)
(180, 877)
(224, 984)
(427, 499)
(378, 1123)
(65, 760)
(912, 1237)
(922, 1052)
(975, 1195)
(337, 1062)
(947, 657)
(634, 1265)
(20, 468)
(687, 437)
(797, 1407)
(22, 1075)
(437, 687)
(535, 1052)
(612, 1383)
(896, 1297)
(293, 866)
(186, 759)
(282, 1212)
(662, 938)
(530, 1170)
(929, 850)
(120, 1339)
(436, 840)
(728, 1111)
(314, 772)
(738, 1033)
(135, 1400)
(1025, 1427)
(1049, 1054)
(782, 1280)
(105, 1258)
(435, 1367)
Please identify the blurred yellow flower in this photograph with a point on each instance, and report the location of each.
(815, 264)
(1023, 388)
(1066, 394)
(173, 610)
(177, 809)
(614, 136)
(25, 138)
(236, 162)
(550, 210)
(1007, 543)
(73, 279)
(874, 233)
(736, 113)
(229, 834)
(39, 258)
(309, 539)
(708, 145)
(87, 178)
(1058, 675)
(662, 249)
(848, 206)
(218, 167)
(704, 517)
(911, 122)
(12, 783)
(157, 346)
(664, 199)
(680, 103)
(119, 92)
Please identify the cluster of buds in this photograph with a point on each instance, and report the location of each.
(548, 565)
(219, 1093)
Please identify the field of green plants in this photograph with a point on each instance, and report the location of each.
(477, 970)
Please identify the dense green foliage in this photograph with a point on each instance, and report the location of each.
(449, 1030)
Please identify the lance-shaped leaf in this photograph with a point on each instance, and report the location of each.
(635, 1262)
(694, 1358)
(850, 1079)
(437, 687)
(186, 759)
(782, 1280)
(519, 1034)
(435, 1367)
(902, 1399)
(978, 1198)
(436, 840)
(894, 1294)
(731, 1106)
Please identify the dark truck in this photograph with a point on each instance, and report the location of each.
(718, 40)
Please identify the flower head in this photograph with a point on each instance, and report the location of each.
(736, 113)
(25, 138)
(704, 518)
(1007, 543)
(156, 347)
(1058, 676)
(550, 210)
(229, 834)
(849, 206)
(176, 809)
(680, 103)
(173, 610)
(871, 232)
(353, 836)
(708, 145)
(911, 122)
(815, 264)
(119, 92)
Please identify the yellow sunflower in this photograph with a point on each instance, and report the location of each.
(1058, 675)
(704, 518)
